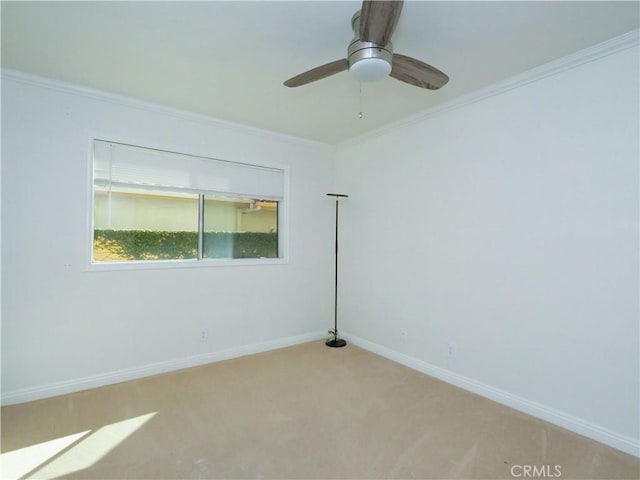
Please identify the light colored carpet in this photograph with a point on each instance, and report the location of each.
(301, 412)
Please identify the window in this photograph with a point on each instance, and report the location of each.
(153, 205)
(234, 228)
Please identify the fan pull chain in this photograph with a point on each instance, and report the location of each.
(360, 115)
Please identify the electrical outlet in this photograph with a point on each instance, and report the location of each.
(452, 350)
(204, 335)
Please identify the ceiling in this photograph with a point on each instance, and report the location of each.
(228, 59)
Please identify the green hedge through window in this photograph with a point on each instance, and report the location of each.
(120, 245)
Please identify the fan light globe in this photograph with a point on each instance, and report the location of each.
(370, 69)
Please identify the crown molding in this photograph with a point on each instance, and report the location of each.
(610, 47)
(94, 94)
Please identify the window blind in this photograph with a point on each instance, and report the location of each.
(117, 164)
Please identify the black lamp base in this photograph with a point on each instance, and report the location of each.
(335, 343)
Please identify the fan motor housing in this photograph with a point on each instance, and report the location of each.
(359, 50)
(378, 57)
(369, 61)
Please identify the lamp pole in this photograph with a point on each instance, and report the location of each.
(336, 342)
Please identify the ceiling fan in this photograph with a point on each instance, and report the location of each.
(370, 54)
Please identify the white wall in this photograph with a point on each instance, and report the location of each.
(64, 327)
(526, 249)
(524, 252)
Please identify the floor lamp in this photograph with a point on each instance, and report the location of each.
(336, 342)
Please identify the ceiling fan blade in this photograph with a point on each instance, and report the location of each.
(378, 20)
(318, 73)
(415, 72)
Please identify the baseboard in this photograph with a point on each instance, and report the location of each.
(109, 378)
(595, 432)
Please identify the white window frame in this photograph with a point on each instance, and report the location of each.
(283, 222)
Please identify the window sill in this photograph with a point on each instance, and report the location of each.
(170, 264)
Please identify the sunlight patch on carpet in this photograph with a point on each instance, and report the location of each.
(72, 453)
